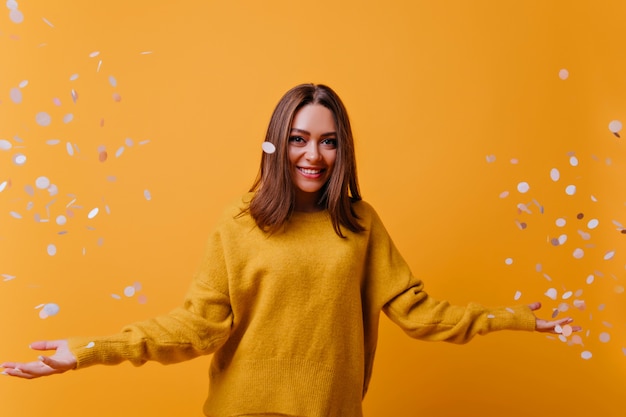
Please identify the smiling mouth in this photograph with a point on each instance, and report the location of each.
(311, 171)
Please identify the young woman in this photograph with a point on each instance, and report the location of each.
(289, 293)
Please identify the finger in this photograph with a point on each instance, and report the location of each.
(45, 345)
(54, 364)
(534, 306)
(17, 372)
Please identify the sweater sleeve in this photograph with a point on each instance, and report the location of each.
(199, 327)
(422, 317)
(406, 303)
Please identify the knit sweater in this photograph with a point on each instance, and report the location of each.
(292, 317)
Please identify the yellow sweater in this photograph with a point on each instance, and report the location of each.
(292, 318)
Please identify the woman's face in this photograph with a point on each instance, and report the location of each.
(312, 153)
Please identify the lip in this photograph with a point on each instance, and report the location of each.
(311, 172)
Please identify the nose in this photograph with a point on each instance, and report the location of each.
(312, 153)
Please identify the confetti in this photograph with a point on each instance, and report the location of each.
(19, 159)
(42, 183)
(604, 337)
(94, 54)
(52, 249)
(560, 222)
(3, 185)
(490, 158)
(563, 74)
(508, 261)
(593, 223)
(268, 147)
(49, 310)
(551, 293)
(615, 126)
(555, 174)
(8, 277)
(90, 345)
(68, 118)
(93, 213)
(129, 291)
(566, 295)
(578, 253)
(16, 16)
(5, 145)
(16, 95)
(567, 330)
(112, 81)
(47, 22)
(147, 195)
(523, 187)
(517, 295)
(586, 355)
(570, 189)
(43, 119)
(609, 255)
(573, 161)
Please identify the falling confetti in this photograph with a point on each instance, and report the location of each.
(615, 126)
(523, 187)
(43, 119)
(586, 355)
(268, 147)
(563, 74)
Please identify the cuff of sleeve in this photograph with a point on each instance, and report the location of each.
(513, 318)
(94, 351)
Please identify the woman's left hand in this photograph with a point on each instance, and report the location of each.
(549, 326)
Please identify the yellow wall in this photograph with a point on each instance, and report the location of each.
(452, 102)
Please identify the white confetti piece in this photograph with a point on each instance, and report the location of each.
(52, 249)
(42, 183)
(517, 296)
(51, 309)
(15, 215)
(615, 126)
(93, 213)
(61, 220)
(3, 185)
(23, 84)
(570, 189)
(19, 159)
(90, 345)
(112, 81)
(605, 337)
(119, 152)
(555, 174)
(490, 158)
(562, 239)
(117, 297)
(268, 147)
(8, 277)
(609, 255)
(566, 295)
(523, 187)
(129, 142)
(69, 148)
(147, 195)
(578, 253)
(551, 293)
(508, 261)
(560, 222)
(16, 95)
(593, 223)
(504, 194)
(53, 142)
(567, 330)
(5, 145)
(68, 118)
(47, 22)
(12, 4)
(74, 77)
(590, 279)
(573, 161)
(563, 74)
(129, 291)
(586, 355)
(491, 316)
(16, 16)
(43, 119)
(94, 54)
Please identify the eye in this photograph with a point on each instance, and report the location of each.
(331, 143)
(296, 139)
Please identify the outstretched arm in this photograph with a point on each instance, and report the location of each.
(61, 361)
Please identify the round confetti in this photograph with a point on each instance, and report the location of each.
(102, 156)
(51, 309)
(94, 54)
(11, 4)
(147, 195)
(517, 295)
(590, 279)
(16, 16)
(562, 239)
(593, 223)
(142, 299)
(615, 126)
(73, 77)
(573, 161)
(43, 119)
(61, 220)
(566, 295)
(567, 330)
(551, 293)
(52, 249)
(112, 81)
(268, 147)
(605, 337)
(5, 145)
(23, 84)
(555, 174)
(563, 74)
(570, 190)
(19, 159)
(117, 97)
(508, 261)
(68, 118)
(504, 194)
(42, 183)
(490, 158)
(523, 187)
(578, 253)
(560, 222)
(586, 355)
(129, 291)
(90, 345)
(16, 95)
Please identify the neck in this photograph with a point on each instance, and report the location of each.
(308, 202)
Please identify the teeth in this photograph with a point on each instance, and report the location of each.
(310, 171)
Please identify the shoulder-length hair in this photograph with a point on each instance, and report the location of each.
(274, 195)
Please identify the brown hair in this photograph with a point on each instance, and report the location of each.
(274, 193)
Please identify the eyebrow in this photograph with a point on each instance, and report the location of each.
(323, 135)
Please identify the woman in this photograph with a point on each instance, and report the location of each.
(289, 292)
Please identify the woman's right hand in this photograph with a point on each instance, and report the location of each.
(61, 361)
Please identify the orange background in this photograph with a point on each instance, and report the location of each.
(453, 104)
